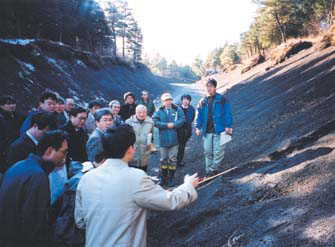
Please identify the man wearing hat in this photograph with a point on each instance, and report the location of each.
(214, 118)
(168, 119)
(128, 109)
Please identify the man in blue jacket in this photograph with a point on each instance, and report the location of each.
(168, 119)
(25, 215)
(214, 117)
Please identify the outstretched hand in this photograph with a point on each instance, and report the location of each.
(193, 180)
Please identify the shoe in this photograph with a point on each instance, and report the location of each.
(181, 164)
(170, 180)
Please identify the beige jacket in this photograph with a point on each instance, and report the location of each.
(142, 130)
(112, 202)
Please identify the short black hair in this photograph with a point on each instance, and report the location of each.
(186, 96)
(116, 141)
(48, 95)
(52, 139)
(43, 120)
(94, 103)
(76, 110)
(102, 112)
(99, 157)
(7, 99)
(213, 82)
(60, 100)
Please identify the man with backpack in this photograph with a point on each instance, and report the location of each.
(214, 119)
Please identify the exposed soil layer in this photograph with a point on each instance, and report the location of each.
(280, 190)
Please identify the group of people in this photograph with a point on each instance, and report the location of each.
(71, 176)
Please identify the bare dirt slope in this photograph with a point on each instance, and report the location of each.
(280, 191)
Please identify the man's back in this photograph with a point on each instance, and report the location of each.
(112, 201)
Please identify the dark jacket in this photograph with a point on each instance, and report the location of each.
(150, 106)
(94, 144)
(77, 143)
(168, 137)
(20, 149)
(61, 119)
(66, 231)
(25, 203)
(27, 122)
(221, 112)
(185, 131)
(10, 123)
(127, 111)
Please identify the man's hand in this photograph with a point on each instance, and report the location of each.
(197, 132)
(229, 131)
(193, 180)
(170, 125)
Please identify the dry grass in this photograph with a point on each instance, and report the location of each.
(253, 62)
(327, 39)
(288, 49)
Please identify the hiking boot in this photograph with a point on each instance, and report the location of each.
(170, 180)
(181, 164)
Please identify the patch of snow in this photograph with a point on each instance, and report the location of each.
(29, 66)
(17, 41)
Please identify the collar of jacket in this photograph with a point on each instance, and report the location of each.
(119, 163)
(47, 166)
(173, 106)
(215, 98)
(135, 120)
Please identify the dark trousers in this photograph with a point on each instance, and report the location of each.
(181, 150)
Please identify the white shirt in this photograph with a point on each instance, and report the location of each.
(112, 202)
(35, 141)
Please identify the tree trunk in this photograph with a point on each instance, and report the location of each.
(280, 27)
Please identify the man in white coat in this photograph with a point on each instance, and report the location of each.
(112, 200)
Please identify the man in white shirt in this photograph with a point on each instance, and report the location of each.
(112, 200)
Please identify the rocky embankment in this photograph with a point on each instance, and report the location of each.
(27, 67)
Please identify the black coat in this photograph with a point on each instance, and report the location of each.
(25, 204)
(10, 123)
(127, 111)
(20, 150)
(77, 143)
(61, 119)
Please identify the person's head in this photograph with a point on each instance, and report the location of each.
(141, 112)
(145, 95)
(78, 116)
(40, 123)
(69, 104)
(186, 99)
(166, 99)
(211, 86)
(118, 143)
(48, 101)
(53, 147)
(115, 107)
(7, 103)
(60, 105)
(103, 119)
(94, 105)
(129, 98)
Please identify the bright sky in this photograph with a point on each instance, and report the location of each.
(183, 29)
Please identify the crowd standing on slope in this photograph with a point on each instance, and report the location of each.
(71, 176)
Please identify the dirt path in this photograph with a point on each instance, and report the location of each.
(281, 189)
